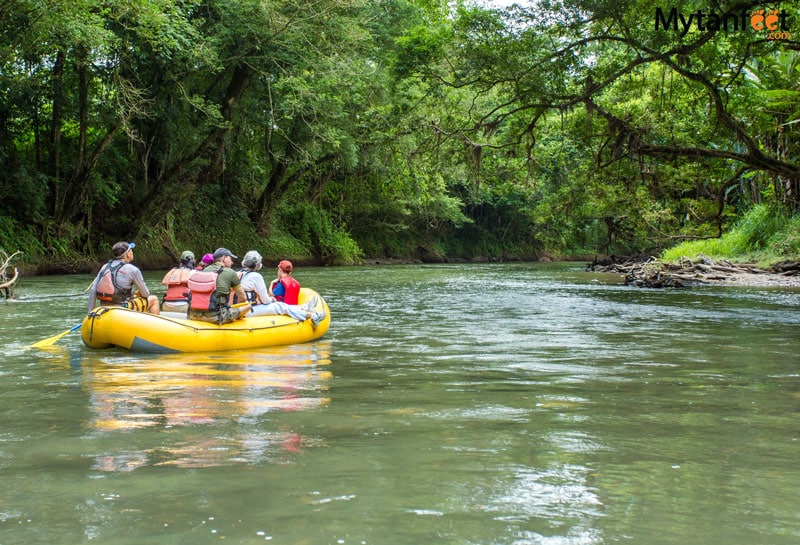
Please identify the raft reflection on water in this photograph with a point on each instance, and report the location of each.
(207, 405)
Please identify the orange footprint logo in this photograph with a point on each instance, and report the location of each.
(764, 19)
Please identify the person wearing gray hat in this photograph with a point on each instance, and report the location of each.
(113, 285)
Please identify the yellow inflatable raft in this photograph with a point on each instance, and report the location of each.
(105, 327)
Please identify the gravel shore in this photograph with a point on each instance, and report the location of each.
(765, 279)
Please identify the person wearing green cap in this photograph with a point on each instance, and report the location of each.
(176, 299)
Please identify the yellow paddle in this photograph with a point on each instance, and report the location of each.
(50, 341)
(240, 305)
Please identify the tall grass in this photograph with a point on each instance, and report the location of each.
(764, 234)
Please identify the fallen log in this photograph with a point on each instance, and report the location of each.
(787, 267)
(8, 283)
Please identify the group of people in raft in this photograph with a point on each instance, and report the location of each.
(211, 291)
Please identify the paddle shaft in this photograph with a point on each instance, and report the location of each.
(50, 341)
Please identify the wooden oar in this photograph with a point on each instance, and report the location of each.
(50, 341)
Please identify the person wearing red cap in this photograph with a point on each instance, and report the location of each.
(113, 285)
(264, 304)
(285, 288)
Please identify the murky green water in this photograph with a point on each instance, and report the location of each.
(461, 404)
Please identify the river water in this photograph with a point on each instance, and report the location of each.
(451, 404)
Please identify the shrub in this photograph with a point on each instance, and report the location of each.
(762, 230)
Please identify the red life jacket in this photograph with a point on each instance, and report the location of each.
(106, 289)
(177, 282)
(203, 291)
(291, 289)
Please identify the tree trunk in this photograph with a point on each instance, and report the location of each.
(83, 107)
(266, 201)
(172, 184)
(55, 130)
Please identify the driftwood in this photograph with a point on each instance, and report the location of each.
(787, 268)
(686, 273)
(7, 280)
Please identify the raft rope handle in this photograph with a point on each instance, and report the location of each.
(96, 313)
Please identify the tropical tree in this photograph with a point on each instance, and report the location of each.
(147, 102)
(671, 117)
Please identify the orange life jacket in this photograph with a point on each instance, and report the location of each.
(203, 291)
(177, 282)
(106, 289)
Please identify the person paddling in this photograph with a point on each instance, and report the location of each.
(114, 284)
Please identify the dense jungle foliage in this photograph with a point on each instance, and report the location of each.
(334, 130)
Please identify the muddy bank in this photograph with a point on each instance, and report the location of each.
(652, 273)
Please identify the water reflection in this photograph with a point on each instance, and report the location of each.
(209, 409)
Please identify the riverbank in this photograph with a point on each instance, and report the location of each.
(635, 271)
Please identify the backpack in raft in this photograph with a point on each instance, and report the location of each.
(107, 289)
(203, 291)
(252, 296)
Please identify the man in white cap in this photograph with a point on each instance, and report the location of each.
(113, 285)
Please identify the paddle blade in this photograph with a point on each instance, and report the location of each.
(50, 341)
